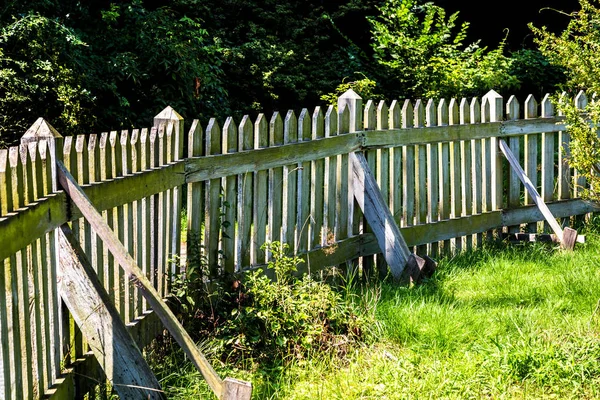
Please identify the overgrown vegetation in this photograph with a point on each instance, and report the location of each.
(504, 321)
(576, 50)
(273, 316)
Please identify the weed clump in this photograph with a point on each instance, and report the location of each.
(273, 316)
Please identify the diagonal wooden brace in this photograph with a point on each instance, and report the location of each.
(225, 390)
(404, 265)
(568, 237)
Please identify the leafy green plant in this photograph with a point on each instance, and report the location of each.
(289, 317)
(422, 53)
(576, 50)
(365, 88)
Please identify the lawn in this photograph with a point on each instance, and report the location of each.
(505, 321)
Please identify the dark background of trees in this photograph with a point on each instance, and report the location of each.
(94, 66)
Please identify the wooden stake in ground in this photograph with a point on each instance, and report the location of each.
(568, 237)
(226, 390)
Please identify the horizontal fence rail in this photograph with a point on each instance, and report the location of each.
(285, 178)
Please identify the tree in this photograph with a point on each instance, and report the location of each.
(576, 49)
(422, 53)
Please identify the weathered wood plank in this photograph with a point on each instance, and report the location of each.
(230, 145)
(290, 184)
(342, 179)
(444, 171)
(101, 324)
(466, 174)
(408, 169)
(547, 166)
(330, 180)
(304, 174)
(212, 223)
(396, 164)
(531, 154)
(455, 172)
(245, 193)
(433, 174)
(261, 193)
(514, 184)
(378, 215)
(194, 202)
(476, 164)
(138, 278)
(317, 183)
(514, 163)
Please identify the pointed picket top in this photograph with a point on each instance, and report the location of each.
(40, 129)
(290, 127)
(475, 110)
(246, 134)
(581, 100)
(369, 117)
(331, 122)
(354, 103)
(382, 115)
(318, 124)
(230, 140)
(495, 106)
(344, 119)
(213, 137)
(304, 125)
(395, 112)
(431, 113)
(513, 108)
(531, 107)
(275, 129)
(442, 112)
(419, 114)
(562, 97)
(408, 114)
(168, 114)
(547, 107)
(261, 135)
(465, 115)
(453, 112)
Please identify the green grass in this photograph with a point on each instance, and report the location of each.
(515, 321)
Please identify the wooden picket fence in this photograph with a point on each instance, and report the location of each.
(285, 179)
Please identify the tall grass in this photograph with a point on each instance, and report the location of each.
(505, 321)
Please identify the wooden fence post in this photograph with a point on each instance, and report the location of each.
(167, 117)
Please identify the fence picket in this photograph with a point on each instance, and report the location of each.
(370, 124)
(514, 184)
(396, 164)
(547, 191)
(476, 164)
(408, 169)
(531, 154)
(304, 173)
(466, 175)
(212, 224)
(344, 201)
(261, 193)
(433, 174)
(317, 169)
(444, 171)
(329, 178)
(230, 145)
(245, 193)
(455, 171)
(289, 187)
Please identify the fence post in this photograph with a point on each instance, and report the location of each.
(170, 117)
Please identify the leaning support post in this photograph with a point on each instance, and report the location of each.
(568, 237)
(99, 321)
(404, 265)
(111, 242)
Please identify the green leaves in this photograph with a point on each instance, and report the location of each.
(423, 54)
